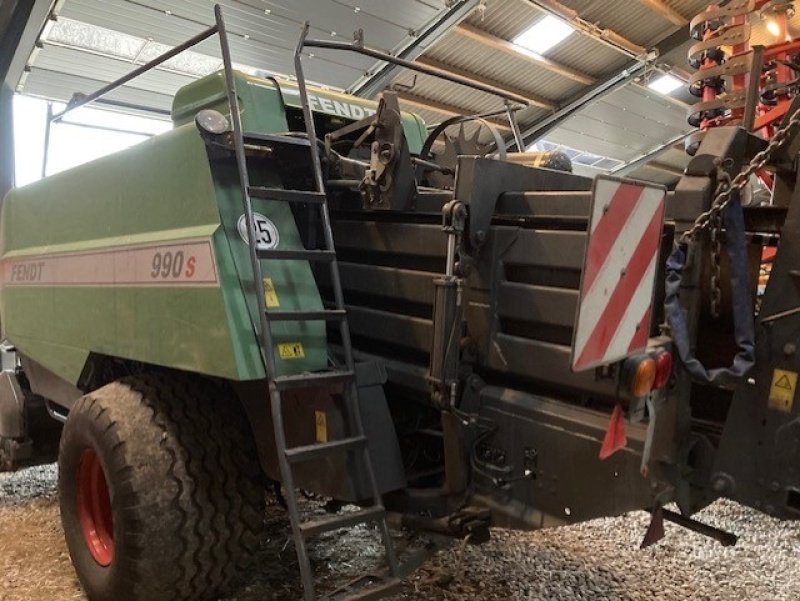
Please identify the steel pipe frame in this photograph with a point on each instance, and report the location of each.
(448, 109)
(540, 128)
(374, 82)
(359, 48)
(533, 100)
(643, 160)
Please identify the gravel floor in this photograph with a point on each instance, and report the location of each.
(598, 561)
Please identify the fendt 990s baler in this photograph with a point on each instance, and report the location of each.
(306, 290)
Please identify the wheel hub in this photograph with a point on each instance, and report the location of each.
(94, 508)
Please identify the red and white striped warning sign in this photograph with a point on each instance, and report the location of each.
(614, 310)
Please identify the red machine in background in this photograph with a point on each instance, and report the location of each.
(740, 83)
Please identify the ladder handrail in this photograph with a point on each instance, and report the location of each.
(358, 47)
(319, 182)
(244, 182)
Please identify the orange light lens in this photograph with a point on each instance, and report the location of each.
(663, 370)
(643, 378)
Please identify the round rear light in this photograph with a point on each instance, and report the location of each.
(663, 370)
(641, 375)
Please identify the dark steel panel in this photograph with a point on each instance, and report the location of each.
(552, 249)
(391, 282)
(571, 483)
(395, 238)
(540, 304)
(546, 204)
(545, 362)
(411, 332)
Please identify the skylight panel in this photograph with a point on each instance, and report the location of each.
(666, 84)
(544, 35)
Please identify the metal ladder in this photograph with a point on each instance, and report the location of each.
(365, 588)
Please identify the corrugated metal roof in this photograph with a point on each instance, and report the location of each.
(513, 71)
(506, 18)
(628, 18)
(588, 55)
(622, 126)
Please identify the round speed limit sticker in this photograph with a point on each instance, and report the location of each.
(266, 232)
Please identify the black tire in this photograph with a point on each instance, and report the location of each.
(185, 487)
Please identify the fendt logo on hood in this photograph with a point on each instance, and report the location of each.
(321, 104)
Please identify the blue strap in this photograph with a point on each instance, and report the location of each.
(744, 329)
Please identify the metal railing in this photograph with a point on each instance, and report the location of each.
(512, 102)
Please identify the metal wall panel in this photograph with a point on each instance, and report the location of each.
(60, 86)
(263, 36)
(104, 69)
(624, 125)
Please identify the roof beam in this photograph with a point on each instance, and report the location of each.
(669, 13)
(414, 101)
(538, 60)
(537, 130)
(605, 36)
(378, 78)
(647, 158)
(23, 20)
(532, 98)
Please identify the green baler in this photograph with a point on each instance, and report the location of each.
(155, 268)
(129, 303)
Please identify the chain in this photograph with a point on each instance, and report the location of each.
(724, 193)
(716, 269)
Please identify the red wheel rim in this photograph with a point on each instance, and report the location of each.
(94, 508)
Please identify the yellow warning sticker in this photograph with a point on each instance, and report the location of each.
(291, 350)
(781, 392)
(322, 426)
(270, 296)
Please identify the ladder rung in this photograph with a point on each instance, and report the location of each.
(344, 520)
(302, 254)
(287, 195)
(375, 591)
(330, 315)
(320, 449)
(309, 380)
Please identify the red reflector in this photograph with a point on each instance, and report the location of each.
(663, 370)
(616, 437)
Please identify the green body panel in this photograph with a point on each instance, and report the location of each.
(263, 102)
(106, 204)
(165, 193)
